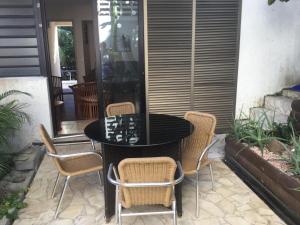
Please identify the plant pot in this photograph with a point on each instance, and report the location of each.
(276, 187)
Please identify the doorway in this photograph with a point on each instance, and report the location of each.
(73, 61)
(114, 29)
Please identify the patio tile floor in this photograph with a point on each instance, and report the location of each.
(232, 202)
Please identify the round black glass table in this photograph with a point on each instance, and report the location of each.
(137, 135)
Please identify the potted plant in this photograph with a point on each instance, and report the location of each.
(273, 174)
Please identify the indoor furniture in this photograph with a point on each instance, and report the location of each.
(86, 101)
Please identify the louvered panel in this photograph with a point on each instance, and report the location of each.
(169, 56)
(216, 37)
(213, 99)
(19, 45)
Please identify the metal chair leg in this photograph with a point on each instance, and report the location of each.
(117, 205)
(100, 178)
(93, 146)
(197, 194)
(119, 214)
(174, 213)
(62, 196)
(55, 185)
(212, 177)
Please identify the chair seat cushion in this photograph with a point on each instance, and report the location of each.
(81, 165)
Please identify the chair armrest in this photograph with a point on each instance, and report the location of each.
(66, 156)
(117, 181)
(63, 140)
(205, 151)
(68, 136)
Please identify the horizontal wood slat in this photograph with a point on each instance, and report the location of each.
(169, 56)
(216, 58)
(16, 3)
(19, 47)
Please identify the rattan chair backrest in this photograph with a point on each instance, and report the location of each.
(86, 100)
(120, 108)
(195, 144)
(145, 170)
(49, 145)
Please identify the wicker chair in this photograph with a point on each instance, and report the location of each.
(70, 165)
(120, 108)
(86, 100)
(196, 146)
(145, 181)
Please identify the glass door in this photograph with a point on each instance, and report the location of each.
(121, 52)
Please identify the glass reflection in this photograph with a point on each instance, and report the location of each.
(119, 46)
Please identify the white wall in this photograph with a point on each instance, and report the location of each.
(75, 11)
(269, 50)
(38, 106)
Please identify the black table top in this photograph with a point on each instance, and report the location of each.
(137, 130)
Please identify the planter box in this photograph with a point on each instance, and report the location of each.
(274, 186)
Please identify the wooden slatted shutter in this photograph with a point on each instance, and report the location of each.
(20, 46)
(216, 58)
(208, 84)
(169, 56)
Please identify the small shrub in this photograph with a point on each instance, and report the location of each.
(10, 206)
(254, 132)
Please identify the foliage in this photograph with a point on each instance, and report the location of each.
(238, 127)
(283, 131)
(5, 163)
(12, 117)
(66, 46)
(255, 132)
(270, 2)
(295, 154)
(10, 205)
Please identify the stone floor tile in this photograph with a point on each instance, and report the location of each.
(231, 203)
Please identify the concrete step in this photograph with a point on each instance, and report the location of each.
(17, 180)
(279, 104)
(257, 113)
(291, 93)
(28, 159)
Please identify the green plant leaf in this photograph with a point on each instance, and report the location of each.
(12, 115)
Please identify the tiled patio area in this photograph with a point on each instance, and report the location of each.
(232, 202)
